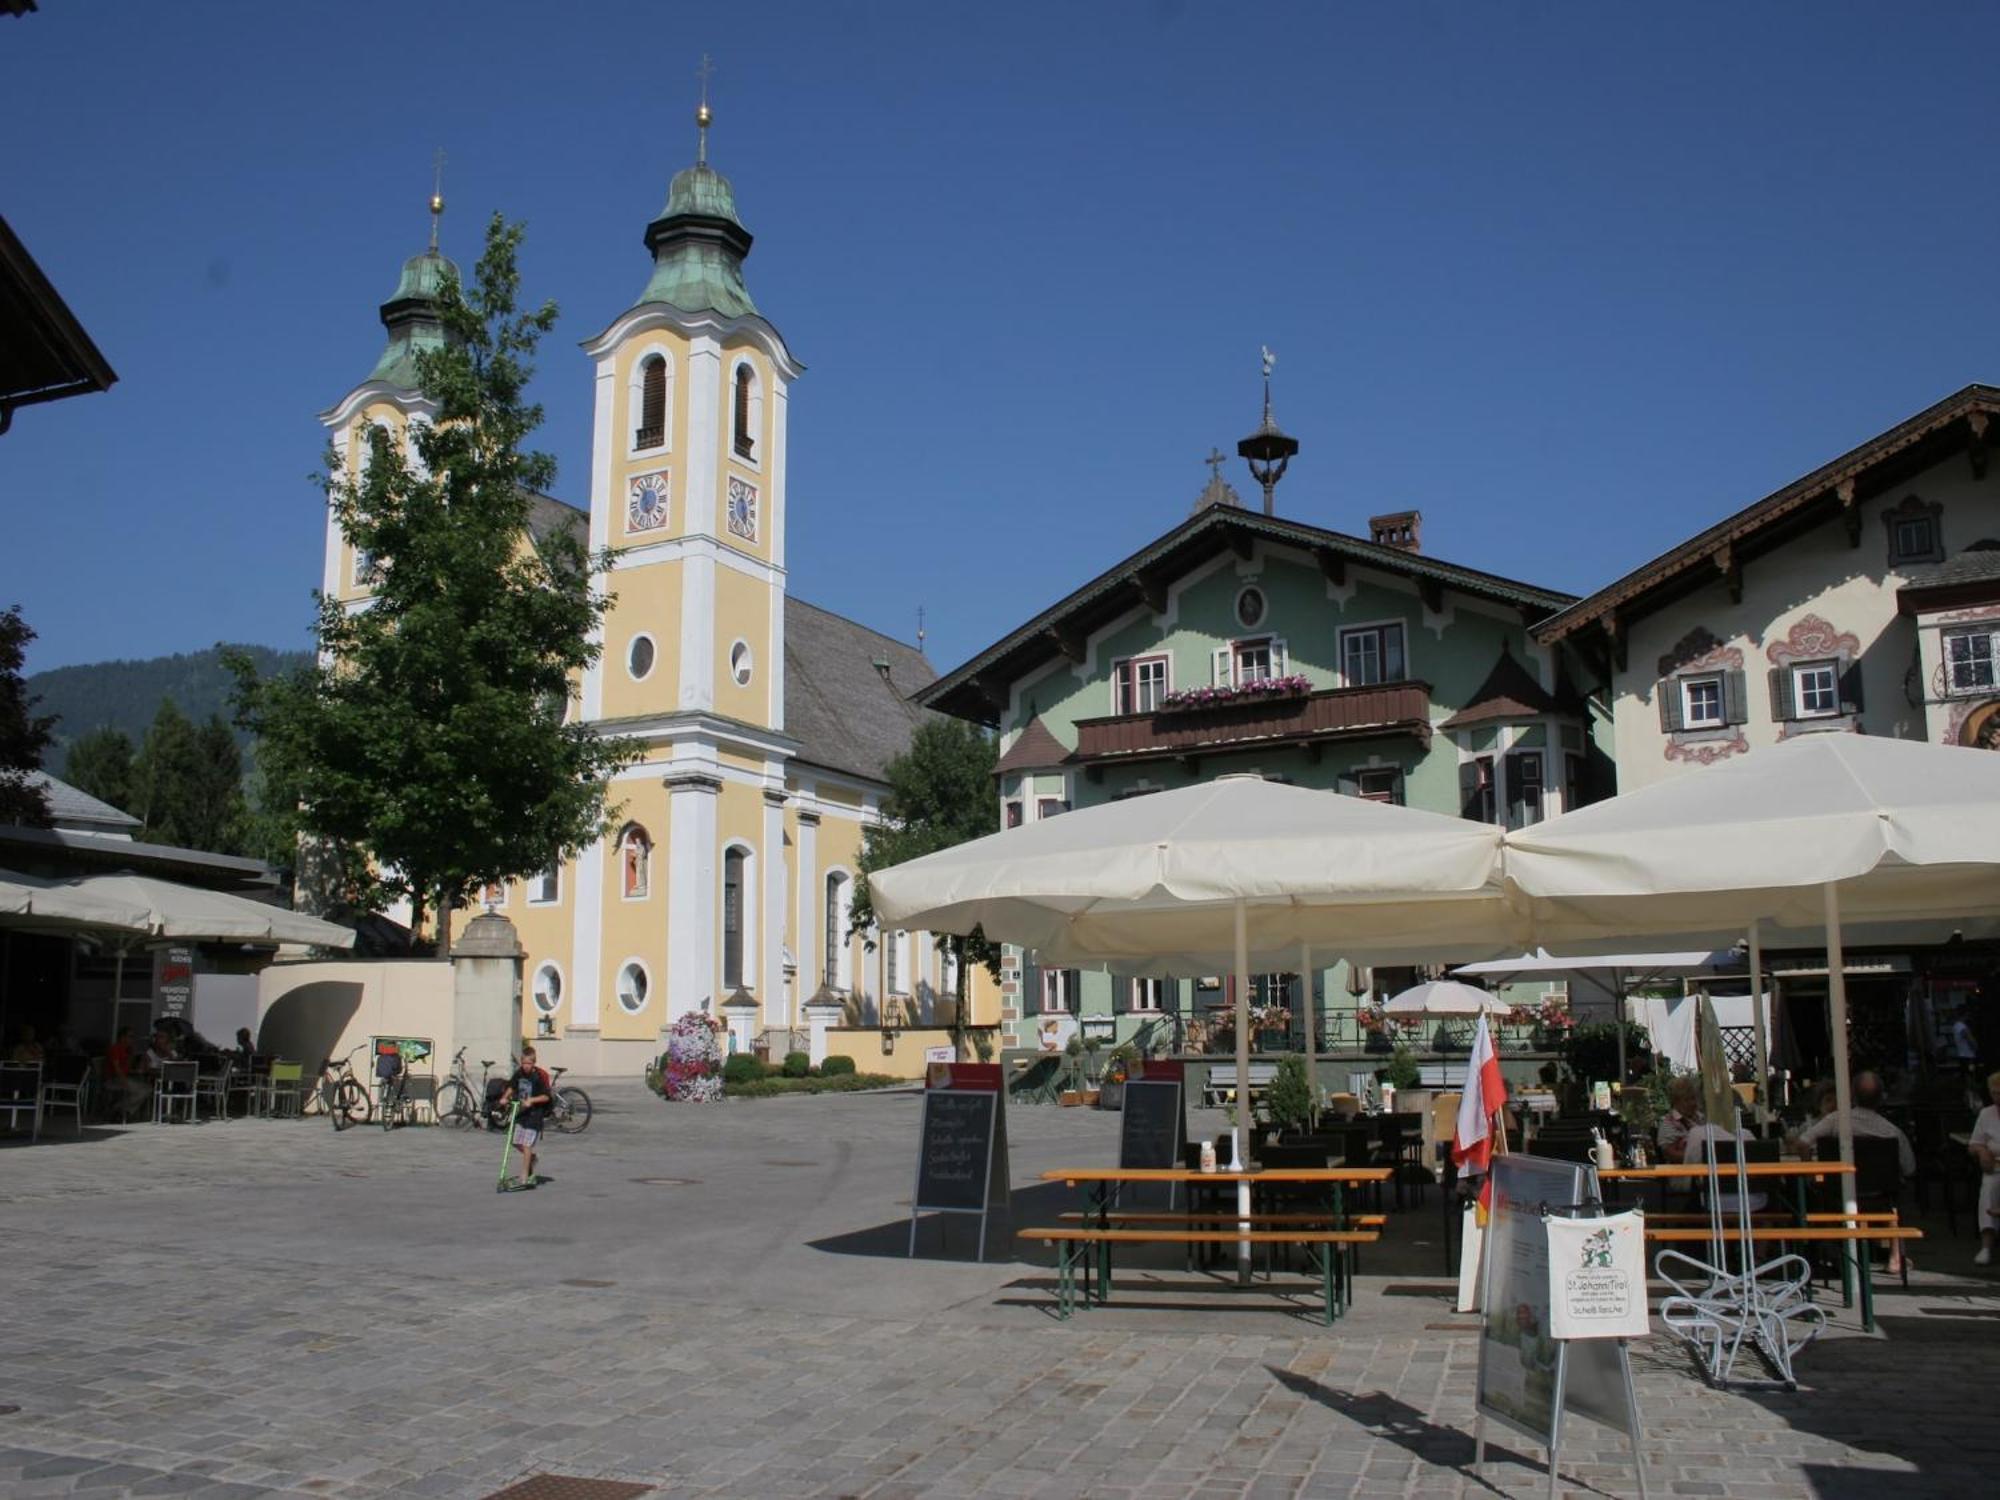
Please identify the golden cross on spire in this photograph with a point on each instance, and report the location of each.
(437, 196)
(703, 114)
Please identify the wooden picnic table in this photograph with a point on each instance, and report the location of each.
(1327, 1239)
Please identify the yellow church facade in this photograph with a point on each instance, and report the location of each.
(763, 725)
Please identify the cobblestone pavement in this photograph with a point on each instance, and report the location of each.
(715, 1301)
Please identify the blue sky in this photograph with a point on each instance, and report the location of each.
(1574, 280)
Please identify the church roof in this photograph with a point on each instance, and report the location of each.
(847, 691)
(412, 319)
(1036, 750)
(698, 245)
(1509, 692)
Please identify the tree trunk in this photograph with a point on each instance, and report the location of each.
(416, 917)
(444, 908)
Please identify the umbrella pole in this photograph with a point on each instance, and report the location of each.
(1243, 1106)
(1836, 999)
(1757, 1032)
(1306, 1009)
(1618, 988)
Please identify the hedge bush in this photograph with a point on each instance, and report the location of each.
(777, 1086)
(741, 1067)
(834, 1067)
(797, 1064)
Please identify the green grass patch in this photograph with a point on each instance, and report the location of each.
(839, 1083)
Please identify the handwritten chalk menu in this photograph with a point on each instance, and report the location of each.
(1154, 1128)
(1527, 1376)
(961, 1158)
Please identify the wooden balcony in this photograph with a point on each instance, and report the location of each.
(1383, 711)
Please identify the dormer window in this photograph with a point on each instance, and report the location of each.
(746, 404)
(652, 428)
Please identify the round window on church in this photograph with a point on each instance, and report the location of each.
(1250, 608)
(548, 989)
(639, 659)
(632, 986)
(740, 663)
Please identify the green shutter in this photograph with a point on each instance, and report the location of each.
(1782, 706)
(1668, 691)
(1735, 698)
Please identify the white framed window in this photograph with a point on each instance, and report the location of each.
(548, 988)
(1968, 658)
(742, 665)
(1816, 689)
(1147, 995)
(732, 919)
(1058, 992)
(1251, 661)
(746, 413)
(1138, 683)
(1372, 653)
(1525, 771)
(839, 961)
(634, 984)
(1702, 704)
(1912, 537)
(1050, 807)
(1378, 784)
(650, 392)
(545, 886)
(1011, 812)
(1476, 789)
(639, 657)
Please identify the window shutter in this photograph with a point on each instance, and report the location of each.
(1668, 691)
(1468, 789)
(1348, 786)
(1782, 706)
(1219, 674)
(1850, 689)
(1735, 698)
(1279, 660)
(1397, 795)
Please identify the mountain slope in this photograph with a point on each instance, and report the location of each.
(126, 694)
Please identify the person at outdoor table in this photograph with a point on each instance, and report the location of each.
(129, 1091)
(1867, 1120)
(1684, 1099)
(26, 1048)
(246, 1046)
(1985, 1147)
(160, 1051)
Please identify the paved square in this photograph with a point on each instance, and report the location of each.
(714, 1301)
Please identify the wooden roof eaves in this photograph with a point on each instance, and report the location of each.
(1763, 514)
(1131, 581)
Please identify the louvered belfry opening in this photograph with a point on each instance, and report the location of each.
(652, 403)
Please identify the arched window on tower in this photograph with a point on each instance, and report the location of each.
(748, 406)
(652, 431)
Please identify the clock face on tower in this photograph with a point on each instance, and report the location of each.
(646, 502)
(742, 509)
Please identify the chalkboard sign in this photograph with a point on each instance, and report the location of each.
(1155, 1126)
(1527, 1377)
(961, 1158)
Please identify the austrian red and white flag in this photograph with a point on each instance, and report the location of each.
(1485, 1093)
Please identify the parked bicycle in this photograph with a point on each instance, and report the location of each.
(461, 1103)
(569, 1106)
(338, 1092)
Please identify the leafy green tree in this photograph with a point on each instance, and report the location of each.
(101, 764)
(940, 794)
(425, 751)
(24, 735)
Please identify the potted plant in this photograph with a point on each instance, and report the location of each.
(1290, 1099)
(1111, 1092)
(1374, 1029)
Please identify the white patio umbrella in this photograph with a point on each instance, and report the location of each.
(59, 905)
(1445, 997)
(165, 909)
(1169, 882)
(1816, 830)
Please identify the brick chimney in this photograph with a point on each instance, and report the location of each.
(1401, 528)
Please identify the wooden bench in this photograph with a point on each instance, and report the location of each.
(1219, 1087)
(1074, 1244)
(1831, 1228)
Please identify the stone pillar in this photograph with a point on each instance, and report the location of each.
(692, 960)
(486, 989)
(822, 1014)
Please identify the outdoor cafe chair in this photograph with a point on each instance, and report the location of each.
(67, 1087)
(284, 1089)
(174, 1091)
(211, 1086)
(21, 1094)
(250, 1084)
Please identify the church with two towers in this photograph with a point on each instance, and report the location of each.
(764, 725)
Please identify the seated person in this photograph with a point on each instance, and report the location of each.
(27, 1049)
(159, 1051)
(1866, 1119)
(1696, 1152)
(1985, 1148)
(1684, 1112)
(128, 1092)
(246, 1046)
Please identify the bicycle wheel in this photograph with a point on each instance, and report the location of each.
(313, 1098)
(569, 1110)
(350, 1104)
(455, 1108)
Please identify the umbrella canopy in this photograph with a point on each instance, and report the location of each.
(1910, 831)
(62, 904)
(1445, 997)
(1153, 883)
(163, 909)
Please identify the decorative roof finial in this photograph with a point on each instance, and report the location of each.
(703, 115)
(437, 197)
(1268, 449)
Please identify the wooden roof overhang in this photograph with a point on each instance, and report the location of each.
(978, 690)
(45, 354)
(1835, 491)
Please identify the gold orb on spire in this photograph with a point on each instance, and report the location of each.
(437, 203)
(703, 115)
